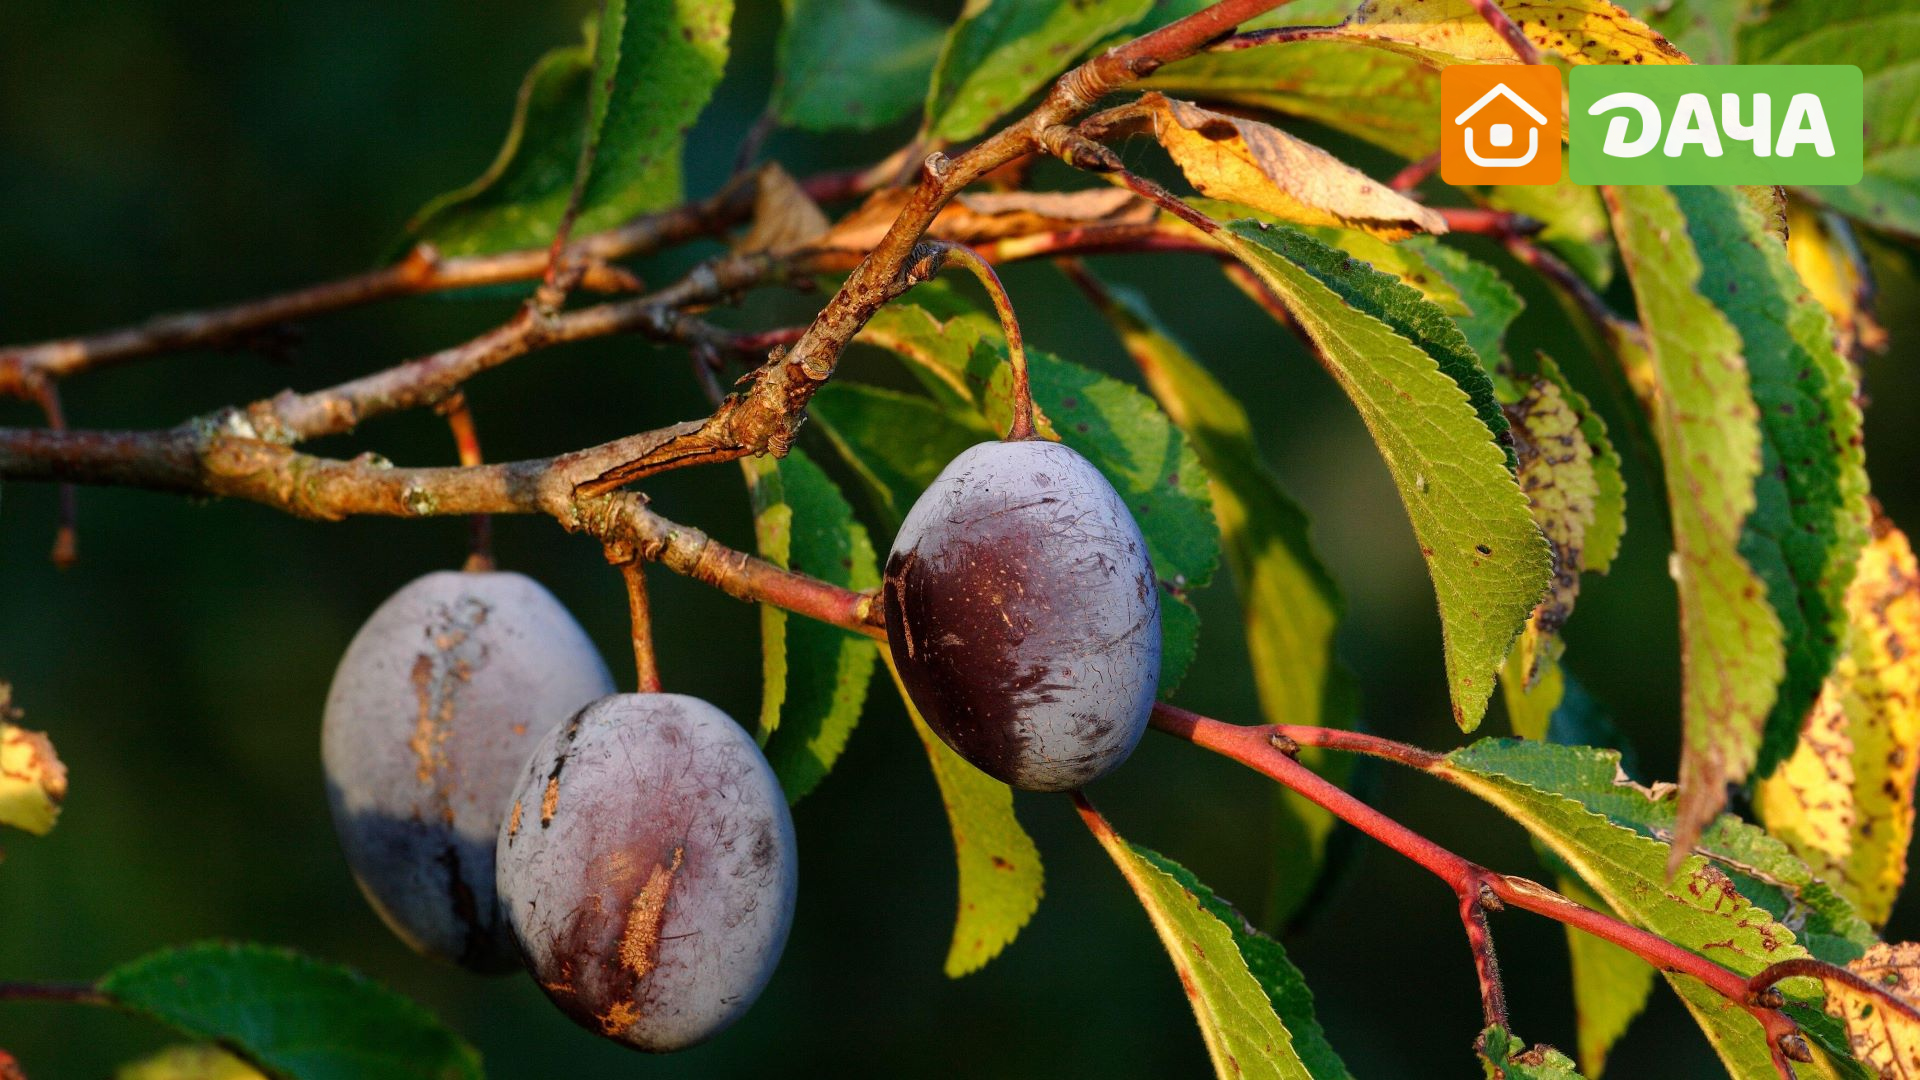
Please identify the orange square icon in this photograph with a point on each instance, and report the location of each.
(1500, 124)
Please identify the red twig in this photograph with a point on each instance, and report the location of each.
(1808, 967)
(1264, 750)
(1486, 967)
(1411, 177)
(66, 535)
(70, 993)
(1475, 221)
(1509, 31)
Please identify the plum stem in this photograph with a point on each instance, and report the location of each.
(466, 438)
(1022, 426)
(633, 570)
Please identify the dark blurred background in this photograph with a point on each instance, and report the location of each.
(158, 154)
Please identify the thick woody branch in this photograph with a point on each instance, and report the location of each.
(765, 417)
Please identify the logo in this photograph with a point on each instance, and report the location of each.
(1501, 124)
(1722, 124)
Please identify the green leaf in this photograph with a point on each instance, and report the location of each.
(1488, 561)
(634, 88)
(1709, 432)
(655, 67)
(816, 675)
(1568, 799)
(1244, 1035)
(1001, 51)
(1556, 472)
(1491, 304)
(1809, 520)
(1703, 29)
(1882, 39)
(1267, 962)
(1610, 985)
(1288, 600)
(290, 1015)
(863, 423)
(1001, 879)
(1505, 1057)
(518, 201)
(852, 64)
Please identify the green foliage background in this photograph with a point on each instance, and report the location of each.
(156, 155)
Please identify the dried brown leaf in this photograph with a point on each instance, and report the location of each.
(1260, 166)
(784, 218)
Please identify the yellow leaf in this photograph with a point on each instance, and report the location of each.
(1441, 32)
(32, 780)
(1883, 1039)
(188, 1063)
(1256, 165)
(1823, 252)
(1844, 800)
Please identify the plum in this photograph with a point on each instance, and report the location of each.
(431, 715)
(647, 868)
(1024, 617)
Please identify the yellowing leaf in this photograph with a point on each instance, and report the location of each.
(1610, 984)
(1442, 32)
(1844, 800)
(1822, 249)
(1256, 165)
(1001, 880)
(1708, 427)
(1884, 1038)
(32, 780)
(1244, 1036)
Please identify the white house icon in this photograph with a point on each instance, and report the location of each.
(1501, 134)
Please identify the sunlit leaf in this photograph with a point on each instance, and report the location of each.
(1001, 51)
(1709, 430)
(815, 676)
(1490, 304)
(1828, 259)
(1506, 1057)
(1255, 165)
(1288, 600)
(1488, 561)
(1883, 1037)
(853, 64)
(1244, 1034)
(33, 782)
(1001, 879)
(203, 1062)
(1809, 519)
(1568, 798)
(290, 1015)
(861, 421)
(1844, 800)
(1442, 32)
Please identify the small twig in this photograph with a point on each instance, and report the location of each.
(1509, 31)
(1809, 968)
(753, 141)
(633, 570)
(1415, 173)
(1499, 224)
(966, 257)
(69, 993)
(466, 438)
(66, 535)
(1486, 966)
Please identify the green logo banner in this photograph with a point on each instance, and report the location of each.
(1715, 124)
